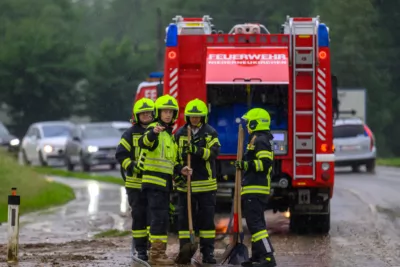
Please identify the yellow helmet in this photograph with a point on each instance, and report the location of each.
(166, 102)
(257, 119)
(196, 108)
(142, 105)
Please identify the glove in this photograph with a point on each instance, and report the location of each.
(135, 168)
(242, 165)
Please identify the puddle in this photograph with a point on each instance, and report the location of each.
(96, 208)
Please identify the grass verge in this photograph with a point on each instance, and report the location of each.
(35, 191)
(393, 162)
(112, 233)
(79, 175)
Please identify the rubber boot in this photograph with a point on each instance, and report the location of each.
(268, 261)
(142, 254)
(157, 254)
(208, 253)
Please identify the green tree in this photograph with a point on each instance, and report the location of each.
(114, 74)
(40, 62)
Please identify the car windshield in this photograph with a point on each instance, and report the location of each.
(93, 132)
(3, 130)
(346, 131)
(56, 130)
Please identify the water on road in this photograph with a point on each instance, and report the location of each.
(365, 228)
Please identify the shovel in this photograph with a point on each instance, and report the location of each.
(237, 252)
(188, 250)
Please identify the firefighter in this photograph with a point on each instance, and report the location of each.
(127, 155)
(204, 148)
(158, 160)
(257, 167)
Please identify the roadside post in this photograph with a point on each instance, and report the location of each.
(13, 226)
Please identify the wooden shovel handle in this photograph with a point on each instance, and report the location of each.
(188, 183)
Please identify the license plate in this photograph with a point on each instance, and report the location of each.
(194, 24)
(350, 148)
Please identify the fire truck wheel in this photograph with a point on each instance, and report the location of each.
(310, 224)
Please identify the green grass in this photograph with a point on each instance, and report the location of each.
(393, 162)
(36, 192)
(79, 175)
(112, 233)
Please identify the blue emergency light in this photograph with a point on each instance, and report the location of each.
(323, 35)
(172, 36)
(156, 74)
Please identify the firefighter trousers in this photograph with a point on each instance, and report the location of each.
(158, 202)
(203, 218)
(140, 218)
(253, 207)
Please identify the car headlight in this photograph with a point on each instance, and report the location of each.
(92, 149)
(14, 142)
(325, 166)
(48, 148)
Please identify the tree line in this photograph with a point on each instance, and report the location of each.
(86, 57)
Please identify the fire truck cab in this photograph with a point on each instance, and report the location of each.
(286, 73)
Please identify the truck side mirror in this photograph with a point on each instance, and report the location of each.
(335, 98)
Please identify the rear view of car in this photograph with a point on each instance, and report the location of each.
(354, 144)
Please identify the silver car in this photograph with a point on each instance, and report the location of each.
(45, 142)
(92, 144)
(354, 144)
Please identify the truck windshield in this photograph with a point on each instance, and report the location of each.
(347, 131)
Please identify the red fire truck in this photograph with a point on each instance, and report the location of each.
(289, 75)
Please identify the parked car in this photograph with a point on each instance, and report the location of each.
(7, 140)
(92, 144)
(121, 126)
(45, 142)
(354, 144)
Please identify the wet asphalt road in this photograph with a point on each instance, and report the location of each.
(365, 227)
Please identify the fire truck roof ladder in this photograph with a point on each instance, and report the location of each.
(303, 27)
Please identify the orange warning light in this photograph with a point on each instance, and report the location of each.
(322, 55)
(172, 55)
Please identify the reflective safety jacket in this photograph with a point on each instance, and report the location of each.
(203, 161)
(158, 158)
(259, 155)
(127, 154)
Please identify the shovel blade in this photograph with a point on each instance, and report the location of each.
(186, 253)
(238, 254)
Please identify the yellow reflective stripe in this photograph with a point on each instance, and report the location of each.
(207, 233)
(203, 182)
(133, 182)
(184, 234)
(139, 233)
(126, 163)
(213, 142)
(259, 165)
(150, 179)
(206, 153)
(147, 142)
(262, 154)
(171, 207)
(255, 189)
(259, 235)
(204, 188)
(162, 238)
(125, 144)
(148, 229)
(163, 165)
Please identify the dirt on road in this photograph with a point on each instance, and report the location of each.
(365, 229)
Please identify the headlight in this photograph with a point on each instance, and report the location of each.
(325, 166)
(47, 148)
(14, 142)
(92, 149)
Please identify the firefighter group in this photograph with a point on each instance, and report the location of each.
(155, 162)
